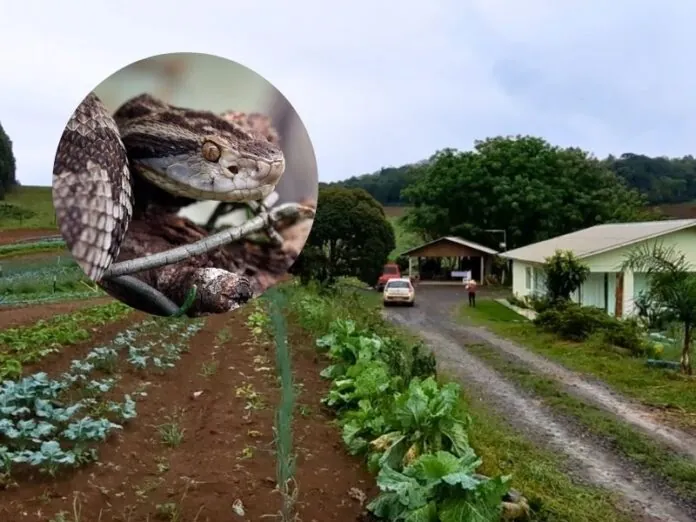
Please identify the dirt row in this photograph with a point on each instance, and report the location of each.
(12, 316)
(12, 235)
(590, 459)
(226, 458)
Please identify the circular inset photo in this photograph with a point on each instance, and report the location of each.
(185, 184)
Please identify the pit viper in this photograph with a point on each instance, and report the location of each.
(109, 169)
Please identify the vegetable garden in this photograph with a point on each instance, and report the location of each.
(181, 419)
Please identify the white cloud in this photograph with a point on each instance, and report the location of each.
(378, 83)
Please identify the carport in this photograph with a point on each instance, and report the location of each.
(461, 256)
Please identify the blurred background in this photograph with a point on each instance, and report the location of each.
(207, 82)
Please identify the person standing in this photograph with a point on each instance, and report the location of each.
(471, 289)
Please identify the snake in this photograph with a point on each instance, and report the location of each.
(109, 169)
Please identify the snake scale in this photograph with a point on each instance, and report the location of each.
(109, 169)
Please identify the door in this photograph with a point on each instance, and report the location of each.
(618, 303)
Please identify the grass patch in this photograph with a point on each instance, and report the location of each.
(18, 250)
(537, 473)
(33, 208)
(28, 344)
(678, 471)
(629, 375)
(405, 239)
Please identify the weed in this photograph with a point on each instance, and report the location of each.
(171, 433)
(209, 368)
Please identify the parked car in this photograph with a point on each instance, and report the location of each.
(399, 291)
(390, 271)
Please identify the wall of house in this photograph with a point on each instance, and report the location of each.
(684, 241)
(527, 278)
(592, 292)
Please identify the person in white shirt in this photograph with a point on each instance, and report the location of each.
(471, 289)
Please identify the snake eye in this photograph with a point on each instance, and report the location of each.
(211, 151)
(234, 169)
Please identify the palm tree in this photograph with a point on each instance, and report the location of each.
(671, 288)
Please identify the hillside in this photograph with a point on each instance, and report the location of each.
(28, 207)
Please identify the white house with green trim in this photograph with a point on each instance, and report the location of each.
(603, 249)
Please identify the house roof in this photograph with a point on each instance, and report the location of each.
(600, 238)
(457, 240)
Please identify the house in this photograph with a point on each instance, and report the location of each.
(603, 249)
(463, 256)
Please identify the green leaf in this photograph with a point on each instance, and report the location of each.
(387, 506)
(410, 493)
(427, 513)
(459, 440)
(433, 467)
(456, 509)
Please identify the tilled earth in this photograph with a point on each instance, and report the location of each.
(226, 458)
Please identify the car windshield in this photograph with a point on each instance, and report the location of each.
(397, 284)
(390, 270)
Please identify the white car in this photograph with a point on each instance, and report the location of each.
(399, 291)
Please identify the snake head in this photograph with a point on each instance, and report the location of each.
(200, 155)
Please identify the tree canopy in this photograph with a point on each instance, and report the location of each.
(521, 184)
(663, 181)
(7, 164)
(351, 236)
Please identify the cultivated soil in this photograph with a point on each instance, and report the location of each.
(227, 455)
(11, 235)
(589, 459)
(11, 316)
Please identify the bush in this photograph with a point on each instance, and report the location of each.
(573, 322)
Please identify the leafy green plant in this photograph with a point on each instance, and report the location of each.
(439, 487)
(425, 419)
(564, 274)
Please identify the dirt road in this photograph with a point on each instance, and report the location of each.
(589, 459)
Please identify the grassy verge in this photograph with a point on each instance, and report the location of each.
(629, 375)
(552, 494)
(28, 344)
(537, 473)
(679, 472)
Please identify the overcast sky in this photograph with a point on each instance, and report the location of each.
(379, 83)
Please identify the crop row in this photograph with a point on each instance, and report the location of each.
(49, 423)
(28, 344)
(411, 429)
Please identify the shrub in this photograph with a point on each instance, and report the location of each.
(573, 322)
(564, 274)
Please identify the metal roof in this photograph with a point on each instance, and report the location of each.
(457, 240)
(599, 238)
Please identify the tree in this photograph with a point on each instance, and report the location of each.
(671, 288)
(351, 236)
(521, 184)
(564, 275)
(7, 164)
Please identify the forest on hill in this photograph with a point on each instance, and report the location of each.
(661, 180)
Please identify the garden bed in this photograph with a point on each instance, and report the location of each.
(201, 446)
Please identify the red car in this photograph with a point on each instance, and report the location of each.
(390, 271)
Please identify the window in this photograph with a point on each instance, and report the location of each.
(398, 284)
(528, 278)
